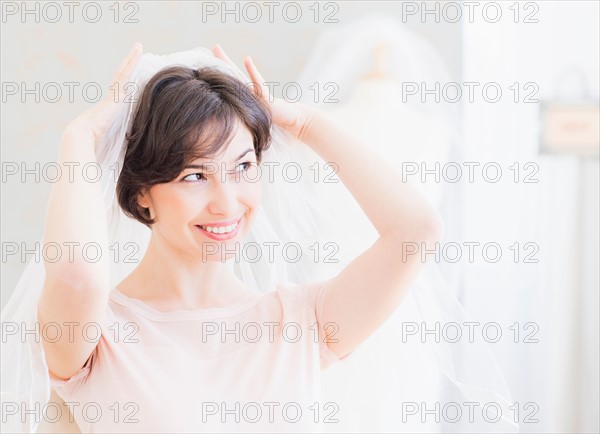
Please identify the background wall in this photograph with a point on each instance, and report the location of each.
(559, 294)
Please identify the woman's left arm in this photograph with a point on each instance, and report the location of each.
(370, 288)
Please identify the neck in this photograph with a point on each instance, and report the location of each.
(168, 274)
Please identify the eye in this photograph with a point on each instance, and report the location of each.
(194, 177)
(246, 165)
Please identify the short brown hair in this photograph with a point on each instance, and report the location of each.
(184, 114)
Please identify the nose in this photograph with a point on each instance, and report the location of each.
(224, 198)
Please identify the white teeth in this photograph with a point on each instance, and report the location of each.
(220, 229)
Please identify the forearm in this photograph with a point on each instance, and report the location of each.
(76, 217)
(392, 206)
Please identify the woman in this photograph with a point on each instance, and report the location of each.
(194, 148)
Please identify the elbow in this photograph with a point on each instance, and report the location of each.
(426, 228)
(433, 227)
(428, 231)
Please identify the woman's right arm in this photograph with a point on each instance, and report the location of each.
(76, 286)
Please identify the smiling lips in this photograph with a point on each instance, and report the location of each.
(221, 231)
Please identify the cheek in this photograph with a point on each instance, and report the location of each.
(251, 194)
(175, 204)
(250, 197)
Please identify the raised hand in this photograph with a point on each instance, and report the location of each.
(96, 120)
(76, 289)
(293, 117)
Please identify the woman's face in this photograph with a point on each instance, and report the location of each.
(211, 205)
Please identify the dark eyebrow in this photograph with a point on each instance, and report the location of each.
(203, 166)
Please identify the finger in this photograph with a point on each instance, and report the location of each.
(220, 53)
(125, 71)
(258, 89)
(257, 78)
(122, 64)
(129, 63)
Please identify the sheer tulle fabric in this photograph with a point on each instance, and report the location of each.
(393, 379)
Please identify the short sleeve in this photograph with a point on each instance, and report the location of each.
(315, 295)
(65, 387)
(61, 386)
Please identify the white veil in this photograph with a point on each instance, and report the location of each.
(25, 381)
(288, 215)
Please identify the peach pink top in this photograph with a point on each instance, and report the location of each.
(254, 366)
